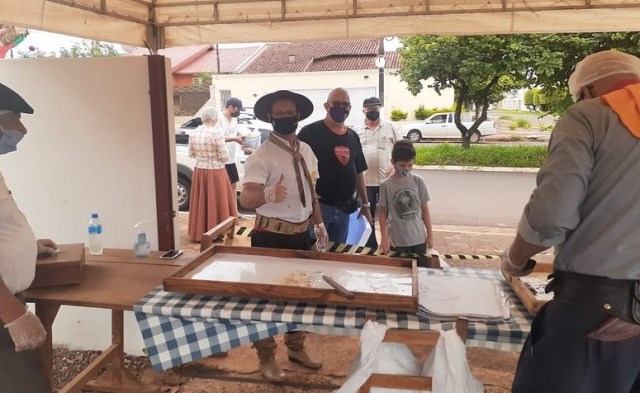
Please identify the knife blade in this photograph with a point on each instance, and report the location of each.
(339, 288)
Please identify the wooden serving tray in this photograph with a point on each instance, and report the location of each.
(62, 268)
(290, 275)
(525, 294)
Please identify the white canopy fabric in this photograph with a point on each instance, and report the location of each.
(167, 23)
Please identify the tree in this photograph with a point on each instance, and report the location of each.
(480, 69)
(564, 51)
(78, 49)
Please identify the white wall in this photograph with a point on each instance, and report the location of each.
(250, 87)
(88, 149)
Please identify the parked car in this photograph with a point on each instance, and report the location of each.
(247, 121)
(185, 174)
(442, 126)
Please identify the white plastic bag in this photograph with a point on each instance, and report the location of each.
(448, 366)
(378, 357)
(448, 362)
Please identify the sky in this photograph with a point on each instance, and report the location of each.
(52, 42)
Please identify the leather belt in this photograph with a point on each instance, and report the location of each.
(275, 225)
(618, 298)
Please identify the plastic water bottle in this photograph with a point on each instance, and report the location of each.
(95, 235)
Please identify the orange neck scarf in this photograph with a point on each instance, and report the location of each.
(625, 102)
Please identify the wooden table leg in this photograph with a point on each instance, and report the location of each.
(117, 378)
(47, 312)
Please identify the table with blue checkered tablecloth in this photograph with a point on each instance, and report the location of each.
(178, 328)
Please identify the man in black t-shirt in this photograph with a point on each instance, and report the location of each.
(341, 166)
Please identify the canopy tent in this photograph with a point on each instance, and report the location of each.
(166, 23)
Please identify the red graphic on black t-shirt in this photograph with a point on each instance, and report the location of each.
(342, 154)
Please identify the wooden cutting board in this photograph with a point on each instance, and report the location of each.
(62, 268)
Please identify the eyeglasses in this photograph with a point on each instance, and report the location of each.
(344, 104)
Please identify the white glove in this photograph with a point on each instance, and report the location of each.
(46, 247)
(27, 332)
(322, 237)
(509, 269)
(276, 193)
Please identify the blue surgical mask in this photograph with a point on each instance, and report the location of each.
(9, 141)
(402, 171)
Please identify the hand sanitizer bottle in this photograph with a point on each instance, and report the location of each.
(141, 247)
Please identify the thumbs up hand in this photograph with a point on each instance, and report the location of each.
(276, 193)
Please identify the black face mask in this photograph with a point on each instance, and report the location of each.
(285, 125)
(373, 115)
(235, 114)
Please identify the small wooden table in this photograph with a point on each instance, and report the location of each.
(115, 281)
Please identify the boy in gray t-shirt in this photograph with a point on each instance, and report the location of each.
(405, 223)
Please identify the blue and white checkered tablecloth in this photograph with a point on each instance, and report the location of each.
(178, 328)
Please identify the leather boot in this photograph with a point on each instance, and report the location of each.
(296, 352)
(266, 350)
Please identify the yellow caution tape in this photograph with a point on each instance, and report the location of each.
(348, 248)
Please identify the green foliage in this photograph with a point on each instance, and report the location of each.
(422, 113)
(398, 114)
(529, 97)
(203, 79)
(523, 123)
(78, 49)
(482, 156)
(512, 126)
(505, 117)
(480, 68)
(546, 128)
(515, 112)
(516, 138)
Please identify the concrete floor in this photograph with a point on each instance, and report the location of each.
(238, 372)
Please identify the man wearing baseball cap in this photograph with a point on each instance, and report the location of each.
(279, 183)
(21, 332)
(587, 205)
(377, 137)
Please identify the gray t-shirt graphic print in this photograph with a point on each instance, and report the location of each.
(403, 199)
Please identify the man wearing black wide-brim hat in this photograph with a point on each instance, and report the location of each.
(279, 182)
(21, 332)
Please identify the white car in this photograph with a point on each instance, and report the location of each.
(442, 126)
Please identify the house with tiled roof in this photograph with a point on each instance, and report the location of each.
(314, 68)
(188, 62)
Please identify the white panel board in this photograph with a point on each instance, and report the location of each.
(88, 149)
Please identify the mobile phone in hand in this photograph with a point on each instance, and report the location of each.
(171, 254)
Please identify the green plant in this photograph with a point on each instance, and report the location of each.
(516, 138)
(398, 114)
(546, 128)
(523, 123)
(505, 117)
(481, 155)
(421, 112)
(512, 126)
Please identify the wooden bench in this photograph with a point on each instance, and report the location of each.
(226, 228)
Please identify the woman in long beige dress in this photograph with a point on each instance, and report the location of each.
(212, 199)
